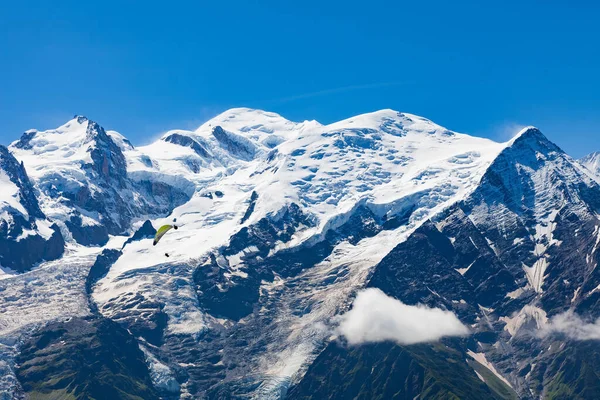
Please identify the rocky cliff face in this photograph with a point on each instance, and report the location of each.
(26, 236)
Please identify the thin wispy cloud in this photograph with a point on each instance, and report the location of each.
(337, 90)
(572, 326)
(203, 114)
(506, 131)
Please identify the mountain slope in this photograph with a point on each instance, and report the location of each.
(505, 260)
(386, 371)
(279, 225)
(592, 162)
(26, 235)
(84, 358)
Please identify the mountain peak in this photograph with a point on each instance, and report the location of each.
(248, 121)
(80, 119)
(532, 138)
(592, 162)
(244, 112)
(592, 157)
(76, 132)
(392, 122)
(94, 131)
(528, 131)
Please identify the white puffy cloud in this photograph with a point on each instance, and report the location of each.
(376, 317)
(573, 326)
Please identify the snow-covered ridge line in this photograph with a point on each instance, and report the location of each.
(287, 162)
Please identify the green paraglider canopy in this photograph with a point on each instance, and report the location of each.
(161, 232)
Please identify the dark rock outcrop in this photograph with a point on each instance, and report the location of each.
(146, 231)
(187, 141)
(21, 244)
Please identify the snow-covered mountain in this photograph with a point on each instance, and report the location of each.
(27, 237)
(280, 224)
(82, 177)
(592, 162)
(520, 250)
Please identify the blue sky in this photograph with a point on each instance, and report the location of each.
(145, 67)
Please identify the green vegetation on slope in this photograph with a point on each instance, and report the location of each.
(91, 359)
(571, 372)
(388, 371)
